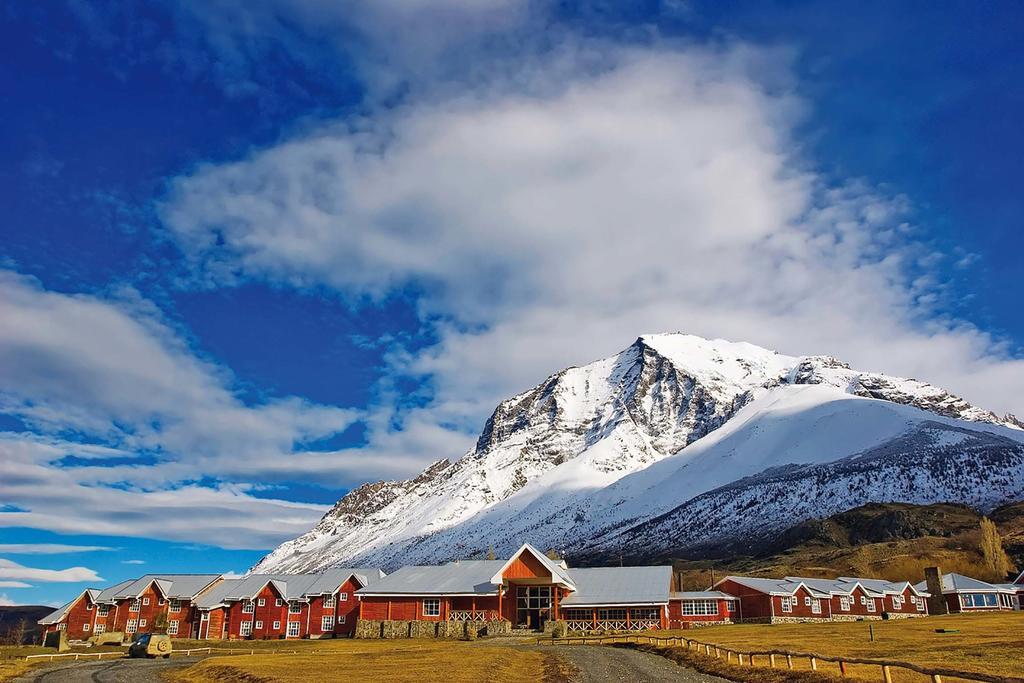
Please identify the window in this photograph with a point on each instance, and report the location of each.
(897, 602)
(100, 628)
(175, 606)
(259, 625)
(145, 600)
(807, 601)
(844, 603)
(863, 600)
(341, 619)
(294, 608)
(730, 606)
(920, 604)
(329, 602)
(293, 628)
(205, 616)
(871, 605)
(132, 626)
(701, 607)
(816, 606)
(62, 626)
(787, 604)
(135, 606)
(648, 613)
(611, 614)
(142, 623)
(277, 625)
(327, 623)
(343, 597)
(161, 601)
(103, 611)
(245, 628)
(85, 627)
(261, 602)
(88, 607)
(431, 607)
(278, 602)
(248, 607)
(172, 628)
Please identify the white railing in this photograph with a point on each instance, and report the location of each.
(577, 625)
(76, 655)
(470, 615)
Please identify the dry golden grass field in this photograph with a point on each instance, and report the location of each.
(986, 643)
(406, 661)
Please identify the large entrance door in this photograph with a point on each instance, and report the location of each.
(533, 606)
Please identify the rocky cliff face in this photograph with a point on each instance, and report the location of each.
(563, 463)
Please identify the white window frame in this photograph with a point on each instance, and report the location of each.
(787, 605)
(278, 602)
(294, 629)
(897, 602)
(807, 601)
(261, 602)
(277, 625)
(248, 607)
(327, 622)
(145, 600)
(244, 628)
(871, 604)
(172, 628)
(85, 626)
(135, 606)
(132, 626)
(294, 607)
(815, 606)
(142, 623)
(343, 597)
(88, 607)
(329, 602)
(103, 610)
(341, 619)
(431, 607)
(175, 605)
(100, 628)
(699, 608)
(863, 600)
(844, 603)
(259, 625)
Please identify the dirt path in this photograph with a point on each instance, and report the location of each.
(109, 671)
(598, 664)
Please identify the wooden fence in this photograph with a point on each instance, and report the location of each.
(747, 658)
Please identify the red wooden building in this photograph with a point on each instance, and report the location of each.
(702, 608)
(964, 594)
(273, 606)
(528, 590)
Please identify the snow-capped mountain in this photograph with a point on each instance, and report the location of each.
(674, 442)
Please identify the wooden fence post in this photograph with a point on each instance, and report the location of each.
(842, 668)
(814, 664)
(936, 678)
(739, 655)
(771, 661)
(789, 661)
(886, 674)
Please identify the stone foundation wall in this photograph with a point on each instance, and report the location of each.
(797, 620)
(856, 617)
(369, 628)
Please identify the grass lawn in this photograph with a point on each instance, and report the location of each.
(399, 661)
(987, 643)
(12, 657)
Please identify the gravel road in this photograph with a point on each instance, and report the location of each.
(598, 664)
(109, 671)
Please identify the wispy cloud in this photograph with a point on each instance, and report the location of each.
(49, 548)
(133, 562)
(14, 571)
(14, 584)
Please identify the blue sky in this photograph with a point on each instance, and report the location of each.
(257, 253)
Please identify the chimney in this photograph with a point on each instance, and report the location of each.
(937, 601)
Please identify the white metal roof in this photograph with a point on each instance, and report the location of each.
(958, 583)
(619, 586)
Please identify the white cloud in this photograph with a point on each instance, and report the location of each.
(569, 206)
(14, 584)
(49, 548)
(6, 601)
(133, 562)
(14, 571)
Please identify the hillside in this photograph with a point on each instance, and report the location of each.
(889, 540)
(11, 618)
(675, 443)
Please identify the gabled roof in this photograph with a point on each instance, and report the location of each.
(57, 615)
(958, 583)
(827, 586)
(619, 586)
(559, 574)
(774, 586)
(1020, 579)
(289, 586)
(881, 586)
(701, 595)
(173, 586)
(463, 577)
